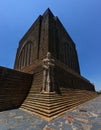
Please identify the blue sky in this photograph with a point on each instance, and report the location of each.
(82, 20)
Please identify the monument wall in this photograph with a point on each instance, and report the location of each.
(14, 87)
(61, 45)
(28, 50)
(47, 34)
(66, 78)
(34, 45)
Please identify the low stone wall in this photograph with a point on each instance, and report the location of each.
(67, 79)
(14, 87)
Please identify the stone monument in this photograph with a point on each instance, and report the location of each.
(46, 79)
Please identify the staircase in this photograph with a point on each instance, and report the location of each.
(51, 105)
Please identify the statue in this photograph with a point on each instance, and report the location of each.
(48, 74)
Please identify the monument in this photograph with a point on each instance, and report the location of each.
(47, 56)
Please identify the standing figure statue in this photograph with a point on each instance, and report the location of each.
(48, 72)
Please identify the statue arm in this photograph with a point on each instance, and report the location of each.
(45, 67)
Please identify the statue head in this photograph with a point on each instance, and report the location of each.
(48, 55)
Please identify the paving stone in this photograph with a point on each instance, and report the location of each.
(84, 117)
(96, 126)
(4, 127)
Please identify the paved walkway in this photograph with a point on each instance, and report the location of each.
(85, 117)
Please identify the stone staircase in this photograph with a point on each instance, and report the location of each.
(51, 105)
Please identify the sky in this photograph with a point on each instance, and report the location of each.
(81, 19)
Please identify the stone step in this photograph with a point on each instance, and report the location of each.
(51, 115)
(56, 95)
(56, 103)
(55, 112)
(53, 95)
(32, 95)
(49, 104)
(47, 109)
(51, 99)
(77, 92)
(45, 105)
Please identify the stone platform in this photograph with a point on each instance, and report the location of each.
(84, 117)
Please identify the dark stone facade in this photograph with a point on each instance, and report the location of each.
(14, 87)
(47, 34)
(46, 60)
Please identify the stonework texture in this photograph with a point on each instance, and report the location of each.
(14, 87)
(47, 34)
(46, 70)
